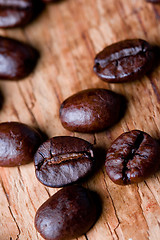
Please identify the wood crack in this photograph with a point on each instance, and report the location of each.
(114, 230)
(47, 191)
(14, 219)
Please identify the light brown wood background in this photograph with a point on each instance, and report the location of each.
(68, 35)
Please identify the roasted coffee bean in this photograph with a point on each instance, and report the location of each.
(17, 59)
(15, 13)
(132, 157)
(124, 61)
(18, 144)
(68, 214)
(63, 160)
(91, 110)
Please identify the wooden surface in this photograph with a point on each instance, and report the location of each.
(68, 35)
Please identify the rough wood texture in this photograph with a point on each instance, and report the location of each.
(68, 35)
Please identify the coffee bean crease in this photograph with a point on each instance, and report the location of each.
(131, 155)
(124, 61)
(62, 158)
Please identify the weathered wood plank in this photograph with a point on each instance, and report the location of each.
(68, 35)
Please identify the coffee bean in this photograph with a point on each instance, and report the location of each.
(124, 61)
(17, 59)
(18, 144)
(132, 157)
(91, 110)
(63, 160)
(15, 13)
(68, 214)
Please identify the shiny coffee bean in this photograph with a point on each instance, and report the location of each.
(68, 214)
(17, 59)
(91, 110)
(63, 160)
(15, 13)
(18, 144)
(124, 61)
(132, 157)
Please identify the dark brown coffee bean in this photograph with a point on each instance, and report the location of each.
(15, 13)
(91, 110)
(63, 160)
(68, 214)
(124, 61)
(17, 59)
(18, 144)
(132, 157)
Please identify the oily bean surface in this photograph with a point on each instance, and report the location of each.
(18, 142)
(124, 61)
(132, 157)
(68, 214)
(17, 59)
(63, 160)
(15, 13)
(91, 110)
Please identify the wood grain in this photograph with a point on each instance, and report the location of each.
(68, 35)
